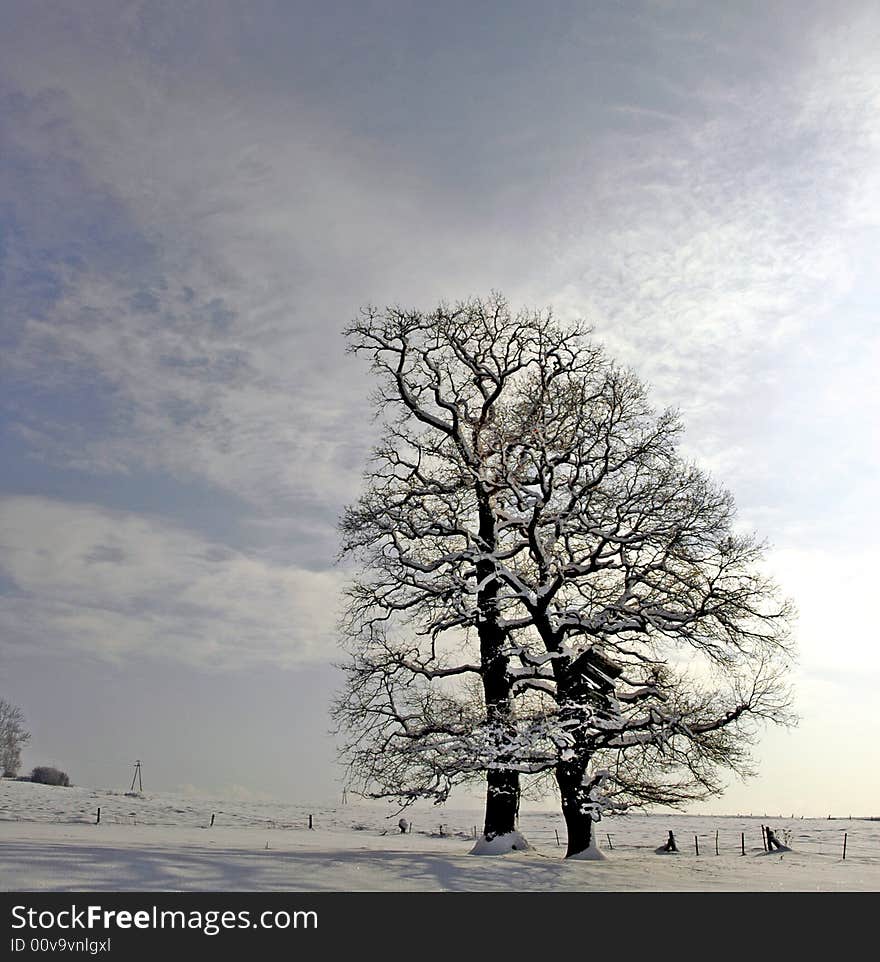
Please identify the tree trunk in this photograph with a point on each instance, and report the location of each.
(502, 785)
(502, 802)
(575, 807)
(577, 692)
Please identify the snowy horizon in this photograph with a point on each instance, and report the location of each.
(196, 199)
(182, 843)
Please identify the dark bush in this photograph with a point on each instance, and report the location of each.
(49, 776)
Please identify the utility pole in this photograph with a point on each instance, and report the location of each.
(137, 777)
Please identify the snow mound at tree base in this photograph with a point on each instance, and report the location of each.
(589, 854)
(501, 845)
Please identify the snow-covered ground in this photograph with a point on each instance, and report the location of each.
(164, 842)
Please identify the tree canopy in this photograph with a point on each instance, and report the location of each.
(544, 585)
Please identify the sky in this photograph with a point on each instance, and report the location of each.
(196, 197)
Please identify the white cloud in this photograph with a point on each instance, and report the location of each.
(113, 584)
(262, 206)
(195, 401)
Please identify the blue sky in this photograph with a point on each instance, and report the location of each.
(194, 200)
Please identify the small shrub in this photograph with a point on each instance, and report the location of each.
(49, 776)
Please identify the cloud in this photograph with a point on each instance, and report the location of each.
(725, 246)
(700, 188)
(215, 356)
(136, 340)
(112, 584)
(183, 396)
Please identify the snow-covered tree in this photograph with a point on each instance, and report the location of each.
(13, 737)
(545, 585)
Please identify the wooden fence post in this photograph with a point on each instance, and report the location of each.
(844, 846)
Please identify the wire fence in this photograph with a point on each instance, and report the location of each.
(754, 838)
(840, 844)
(859, 839)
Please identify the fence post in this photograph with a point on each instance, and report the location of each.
(610, 843)
(716, 841)
(98, 818)
(743, 841)
(844, 846)
(557, 837)
(697, 844)
(310, 821)
(212, 819)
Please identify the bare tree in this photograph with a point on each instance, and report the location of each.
(525, 493)
(13, 737)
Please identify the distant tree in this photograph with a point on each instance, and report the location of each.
(48, 775)
(13, 737)
(526, 493)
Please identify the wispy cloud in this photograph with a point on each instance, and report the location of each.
(193, 213)
(108, 584)
(217, 355)
(714, 236)
(725, 246)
